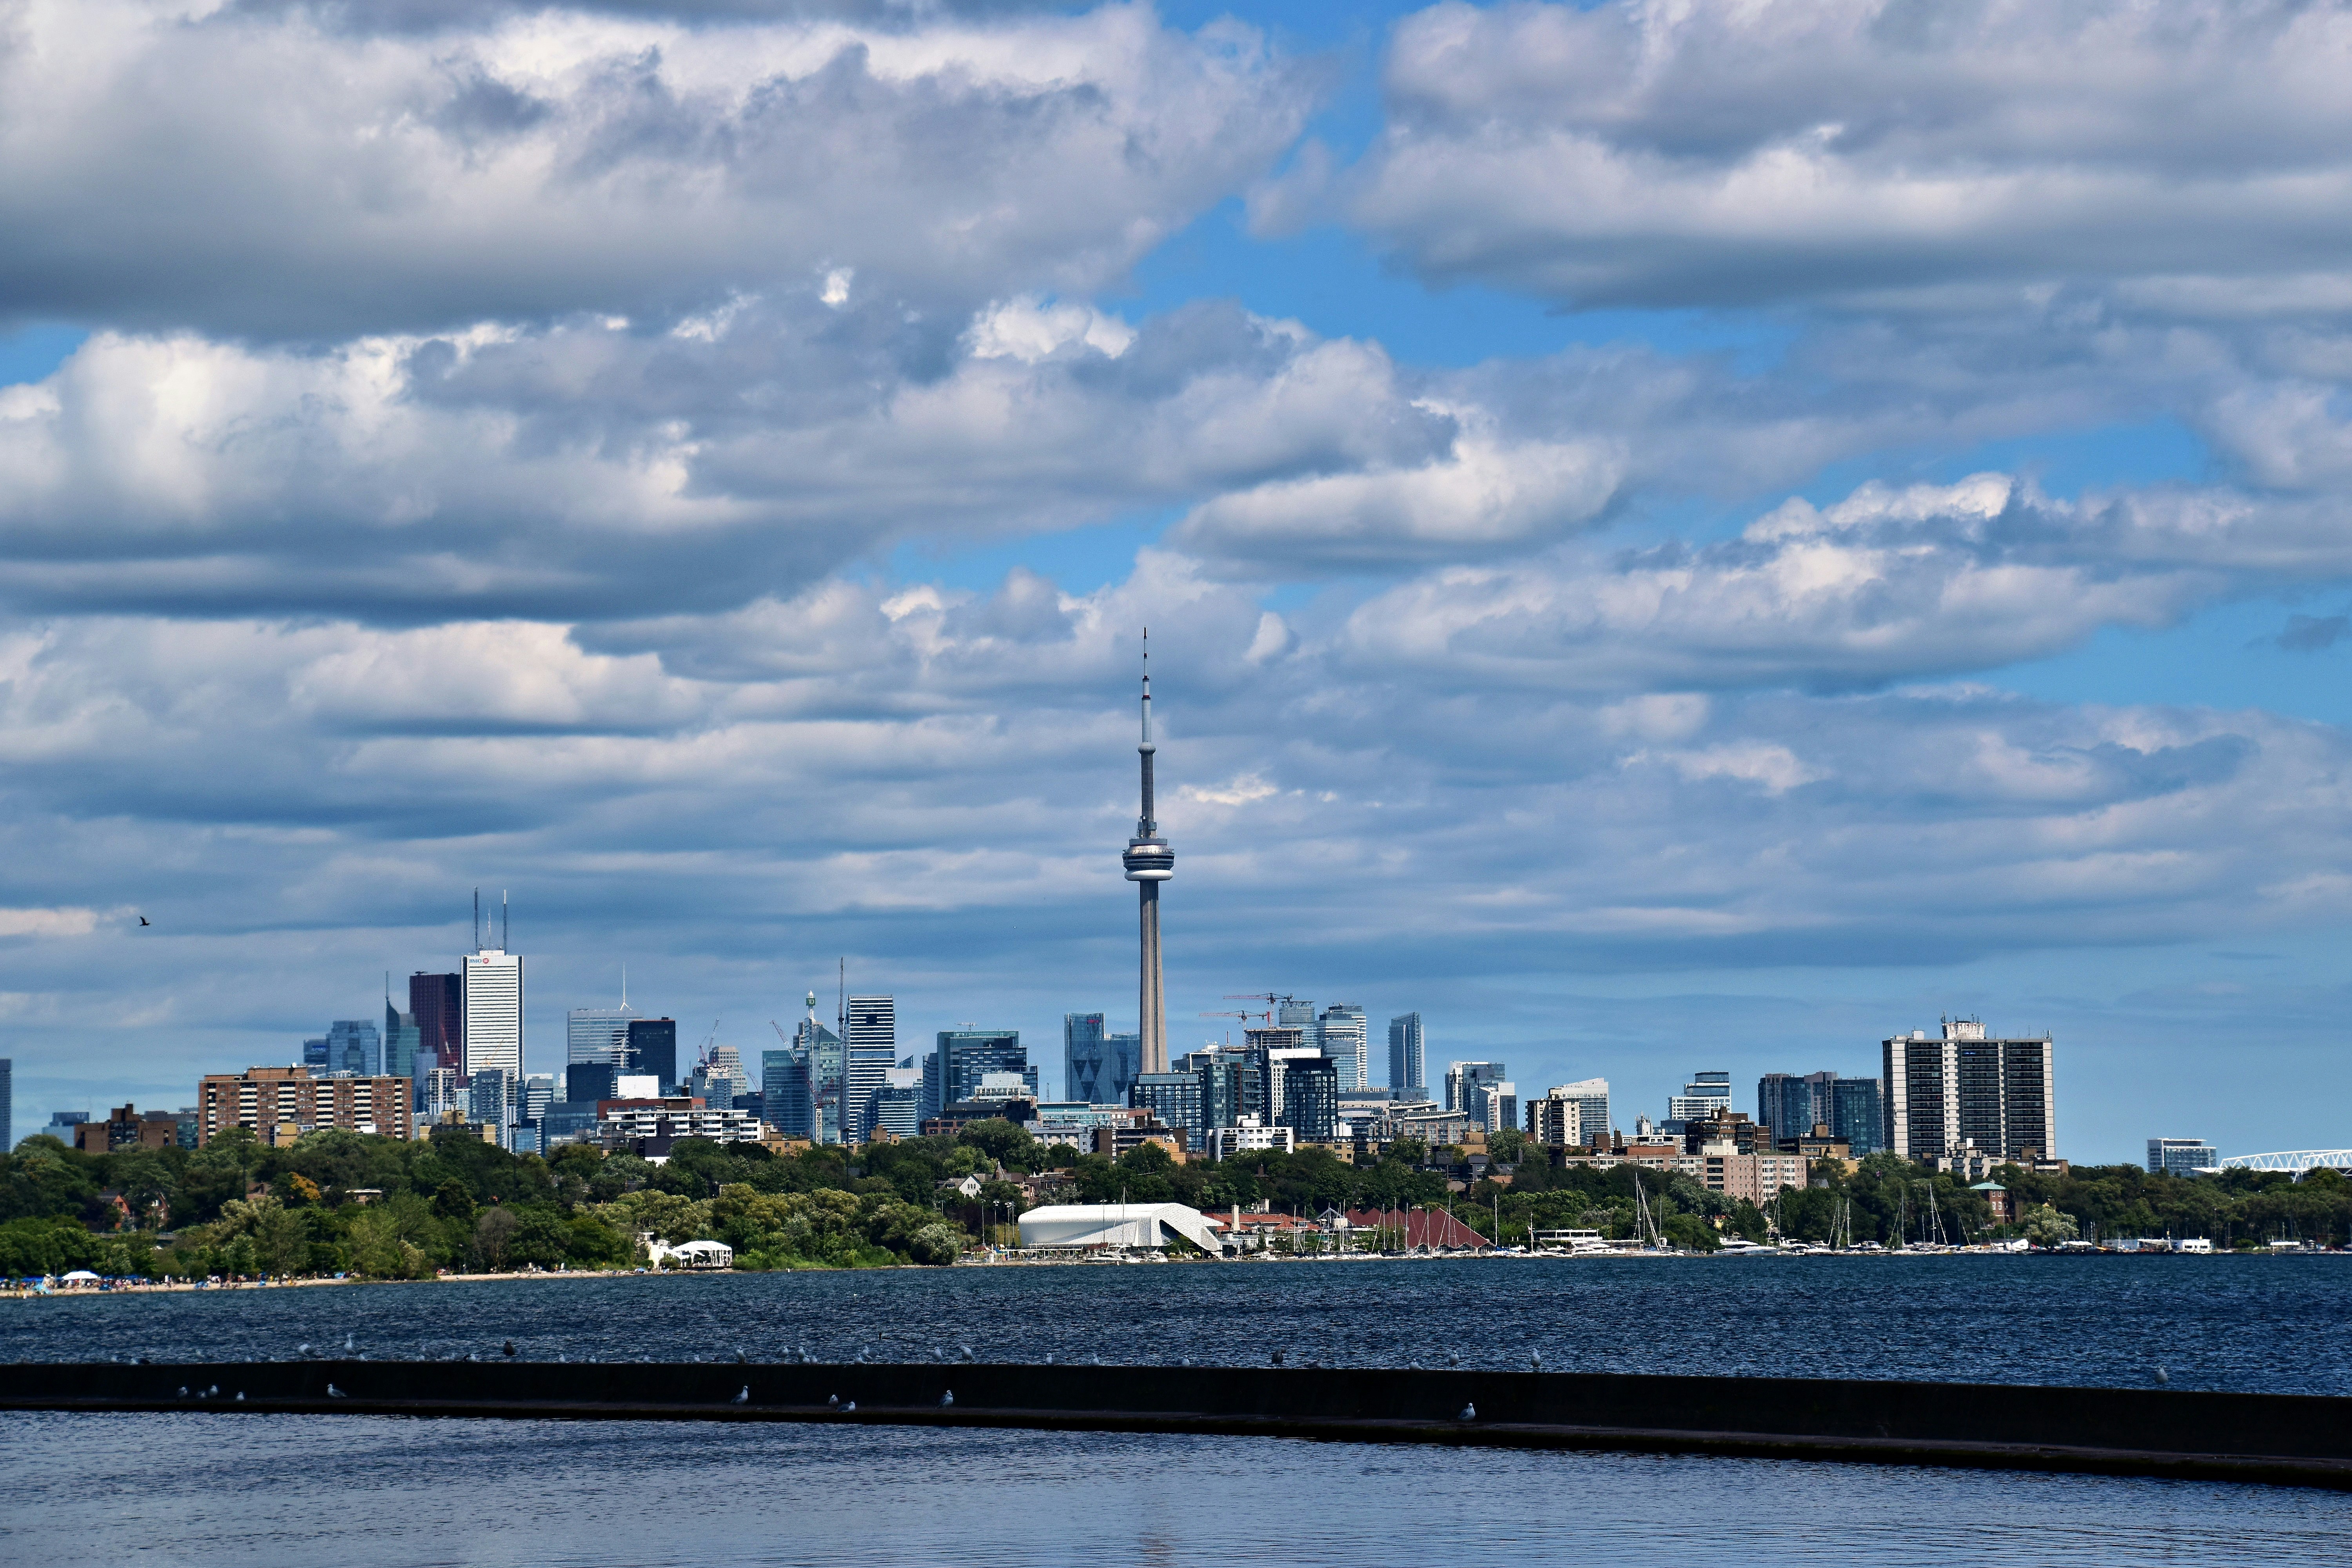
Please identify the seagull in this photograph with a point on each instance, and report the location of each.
(2162, 1375)
(241, 1396)
(947, 1399)
(833, 1400)
(349, 1343)
(183, 1391)
(739, 1357)
(1412, 1365)
(966, 1351)
(1469, 1413)
(1049, 1358)
(334, 1392)
(1535, 1361)
(849, 1407)
(744, 1397)
(510, 1349)
(1453, 1360)
(1277, 1358)
(302, 1349)
(144, 921)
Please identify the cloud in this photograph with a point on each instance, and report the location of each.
(47, 923)
(324, 174)
(2312, 634)
(1867, 152)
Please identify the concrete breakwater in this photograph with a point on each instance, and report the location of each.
(2289, 1439)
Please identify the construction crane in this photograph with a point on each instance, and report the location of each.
(780, 1032)
(1245, 1017)
(1271, 998)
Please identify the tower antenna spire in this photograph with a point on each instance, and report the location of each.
(477, 919)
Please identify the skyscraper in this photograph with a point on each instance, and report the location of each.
(1408, 1064)
(493, 999)
(598, 1035)
(1591, 1097)
(788, 1092)
(870, 1049)
(438, 1004)
(401, 1039)
(1341, 1030)
(965, 1055)
(653, 1050)
(1792, 1106)
(1964, 1087)
(354, 1049)
(1858, 1115)
(1096, 1067)
(1149, 862)
(1462, 1079)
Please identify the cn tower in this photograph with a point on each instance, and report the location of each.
(1149, 862)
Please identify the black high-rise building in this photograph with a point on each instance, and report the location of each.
(652, 1049)
(587, 1082)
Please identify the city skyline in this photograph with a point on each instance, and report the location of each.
(1779, 583)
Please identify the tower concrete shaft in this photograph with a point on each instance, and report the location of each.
(1149, 862)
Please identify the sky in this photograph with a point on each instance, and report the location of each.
(1675, 536)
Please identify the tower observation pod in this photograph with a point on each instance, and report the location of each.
(1149, 862)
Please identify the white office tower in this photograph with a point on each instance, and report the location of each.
(1341, 1035)
(598, 1036)
(537, 1094)
(493, 1003)
(871, 1043)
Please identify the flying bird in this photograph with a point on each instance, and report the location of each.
(144, 921)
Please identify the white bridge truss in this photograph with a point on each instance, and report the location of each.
(2295, 1160)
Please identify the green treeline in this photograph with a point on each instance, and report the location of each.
(236, 1208)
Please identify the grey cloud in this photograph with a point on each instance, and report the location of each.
(1865, 151)
(2312, 634)
(251, 174)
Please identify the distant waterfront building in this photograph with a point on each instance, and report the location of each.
(1464, 1079)
(1341, 1031)
(1707, 1094)
(966, 1054)
(788, 1092)
(492, 1100)
(653, 1050)
(2181, 1156)
(1408, 1062)
(1173, 1099)
(897, 1104)
(493, 986)
(279, 1104)
(402, 1039)
(1098, 1067)
(1858, 1118)
(870, 1049)
(1962, 1088)
(1594, 1124)
(353, 1048)
(598, 1035)
(437, 1003)
(1557, 1118)
(1251, 1137)
(1310, 1098)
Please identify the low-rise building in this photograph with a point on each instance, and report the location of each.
(1253, 1136)
(2181, 1156)
(641, 1125)
(124, 1127)
(1114, 1141)
(1120, 1226)
(1755, 1177)
(280, 1104)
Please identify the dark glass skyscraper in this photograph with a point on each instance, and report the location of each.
(438, 1001)
(965, 1055)
(652, 1049)
(1098, 1068)
(1310, 1098)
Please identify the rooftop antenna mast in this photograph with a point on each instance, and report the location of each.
(477, 919)
(502, 921)
(841, 1012)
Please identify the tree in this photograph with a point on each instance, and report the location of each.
(2046, 1226)
(493, 1234)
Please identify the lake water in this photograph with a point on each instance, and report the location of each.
(2270, 1324)
(361, 1490)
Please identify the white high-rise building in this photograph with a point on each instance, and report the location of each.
(1707, 1096)
(1592, 1098)
(493, 1003)
(1342, 1037)
(871, 1044)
